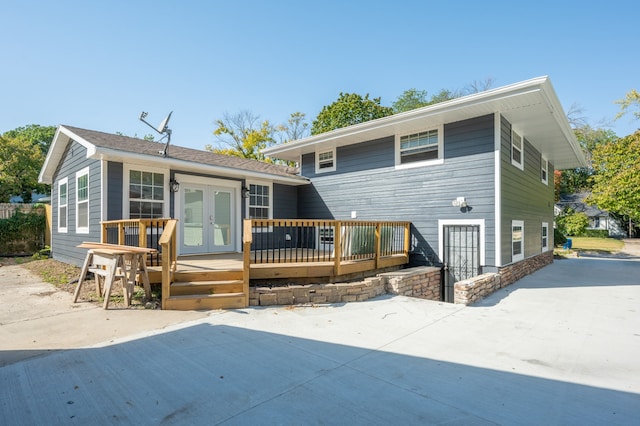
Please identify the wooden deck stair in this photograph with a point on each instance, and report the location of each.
(212, 289)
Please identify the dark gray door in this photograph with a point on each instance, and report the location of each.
(461, 256)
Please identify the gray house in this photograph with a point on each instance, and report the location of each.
(99, 177)
(473, 175)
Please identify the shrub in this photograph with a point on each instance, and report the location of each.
(22, 233)
(558, 238)
(596, 233)
(572, 223)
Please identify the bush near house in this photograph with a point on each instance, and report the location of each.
(22, 233)
(572, 223)
(558, 238)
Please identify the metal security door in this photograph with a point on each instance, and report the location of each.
(461, 255)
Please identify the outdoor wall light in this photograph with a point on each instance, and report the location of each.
(174, 185)
(245, 192)
(459, 202)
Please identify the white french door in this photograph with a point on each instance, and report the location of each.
(207, 219)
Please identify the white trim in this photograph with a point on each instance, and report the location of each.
(545, 225)
(65, 229)
(498, 187)
(104, 188)
(516, 258)
(544, 167)
(333, 161)
(520, 164)
(126, 169)
(439, 160)
(83, 229)
(443, 222)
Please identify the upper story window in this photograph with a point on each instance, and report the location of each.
(517, 151)
(259, 201)
(544, 170)
(326, 161)
(146, 194)
(82, 201)
(421, 148)
(63, 204)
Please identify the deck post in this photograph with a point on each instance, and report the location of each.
(142, 234)
(377, 245)
(246, 257)
(407, 238)
(121, 235)
(337, 247)
(103, 235)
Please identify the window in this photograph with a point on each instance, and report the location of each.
(516, 150)
(325, 161)
(259, 201)
(545, 236)
(421, 148)
(544, 170)
(82, 201)
(63, 201)
(146, 194)
(517, 240)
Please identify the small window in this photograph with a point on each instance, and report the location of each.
(82, 201)
(517, 240)
(516, 150)
(325, 161)
(63, 204)
(419, 147)
(545, 236)
(259, 201)
(544, 171)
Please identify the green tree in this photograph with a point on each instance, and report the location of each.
(572, 223)
(20, 164)
(243, 135)
(42, 136)
(630, 101)
(348, 109)
(410, 99)
(616, 181)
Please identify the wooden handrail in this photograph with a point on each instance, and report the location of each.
(169, 257)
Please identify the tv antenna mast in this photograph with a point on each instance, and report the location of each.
(163, 129)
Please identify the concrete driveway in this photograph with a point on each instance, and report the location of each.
(559, 347)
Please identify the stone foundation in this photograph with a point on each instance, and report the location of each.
(470, 291)
(423, 282)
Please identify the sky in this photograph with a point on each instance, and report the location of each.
(99, 64)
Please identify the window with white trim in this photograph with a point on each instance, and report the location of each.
(420, 148)
(326, 161)
(146, 194)
(63, 204)
(544, 170)
(260, 201)
(82, 201)
(517, 151)
(545, 236)
(517, 240)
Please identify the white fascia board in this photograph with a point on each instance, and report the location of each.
(56, 150)
(183, 165)
(440, 109)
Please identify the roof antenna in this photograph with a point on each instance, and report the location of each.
(163, 129)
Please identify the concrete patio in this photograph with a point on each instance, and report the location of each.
(559, 347)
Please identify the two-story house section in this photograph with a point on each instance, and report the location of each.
(474, 176)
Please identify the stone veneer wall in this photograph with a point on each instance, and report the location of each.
(423, 282)
(469, 291)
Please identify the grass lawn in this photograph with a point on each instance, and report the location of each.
(602, 245)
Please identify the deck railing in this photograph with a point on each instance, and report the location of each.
(137, 233)
(337, 241)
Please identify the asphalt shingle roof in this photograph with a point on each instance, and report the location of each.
(141, 146)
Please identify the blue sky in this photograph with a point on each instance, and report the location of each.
(98, 64)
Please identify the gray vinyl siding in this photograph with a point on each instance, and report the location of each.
(367, 182)
(524, 197)
(115, 185)
(285, 201)
(63, 245)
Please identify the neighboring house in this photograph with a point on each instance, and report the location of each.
(474, 176)
(97, 177)
(598, 219)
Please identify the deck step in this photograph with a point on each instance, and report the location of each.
(206, 287)
(206, 301)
